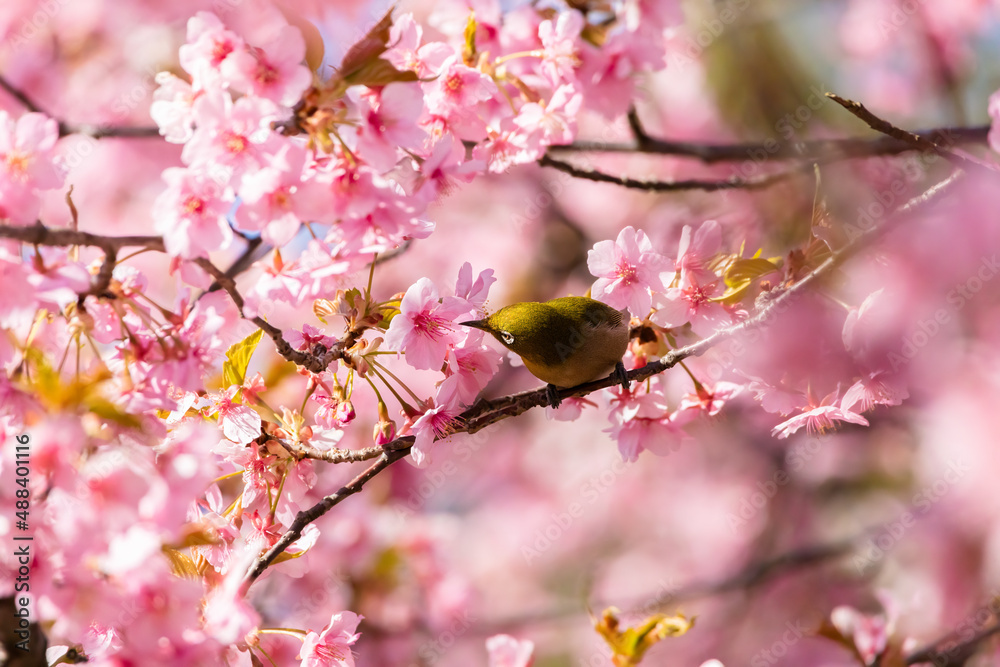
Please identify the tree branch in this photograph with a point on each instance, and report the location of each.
(93, 131)
(485, 412)
(39, 234)
(954, 656)
(917, 141)
(734, 183)
(826, 150)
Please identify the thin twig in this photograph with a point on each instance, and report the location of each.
(953, 656)
(305, 517)
(19, 95)
(734, 183)
(65, 129)
(919, 142)
(39, 234)
(241, 263)
(827, 150)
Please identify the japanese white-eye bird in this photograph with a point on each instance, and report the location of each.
(563, 342)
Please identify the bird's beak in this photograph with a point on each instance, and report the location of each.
(475, 324)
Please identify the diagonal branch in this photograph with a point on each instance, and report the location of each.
(927, 144)
(817, 149)
(484, 412)
(93, 131)
(952, 656)
(735, 183)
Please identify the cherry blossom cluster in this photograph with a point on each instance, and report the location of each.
(699, 293)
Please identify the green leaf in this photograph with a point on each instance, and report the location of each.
(629, 645)
(743, 270)
(234, 369)
(740, 276)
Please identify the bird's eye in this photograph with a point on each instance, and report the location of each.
(507, 337)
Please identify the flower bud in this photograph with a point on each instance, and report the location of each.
(385, 432)
(345, 413)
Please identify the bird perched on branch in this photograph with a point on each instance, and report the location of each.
(563, 342)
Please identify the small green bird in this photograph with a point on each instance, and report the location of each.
(565, 341)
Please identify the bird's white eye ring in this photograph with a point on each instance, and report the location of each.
(507, 337)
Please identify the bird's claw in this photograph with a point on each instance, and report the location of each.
(552, 394)
(621, 375)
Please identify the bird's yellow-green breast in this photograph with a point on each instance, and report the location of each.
(565, 341)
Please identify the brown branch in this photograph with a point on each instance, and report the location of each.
(917, 141)
(734, 183)
(817, 149)
(486, 412)
(93, 131)
(305, 517)
(302, 451)
(39, 234)
(954, 656)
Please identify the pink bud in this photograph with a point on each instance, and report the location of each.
(345, 413)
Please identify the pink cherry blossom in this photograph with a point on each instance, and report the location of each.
(504, 146)
(878, 388)
(331, 647)
(447, 165)
(309, 337)
(240, 423)
(17, 303)
(817, 420)
(424, 327)
(869, 633)
(407, 53)
(468, 369)
(626, 269)
(389, 123)
(231, 138)
(471, 295)
(710, 399)
(696, 249)
(643, 422)
(774, 399)
(506, 651)
(691, 302)
(276, 200)
(27, 164)
(173, 108)
(551, 123)
(560, 50)
(272, 70)
(209, 45)
(434, 423)
(191, 214)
